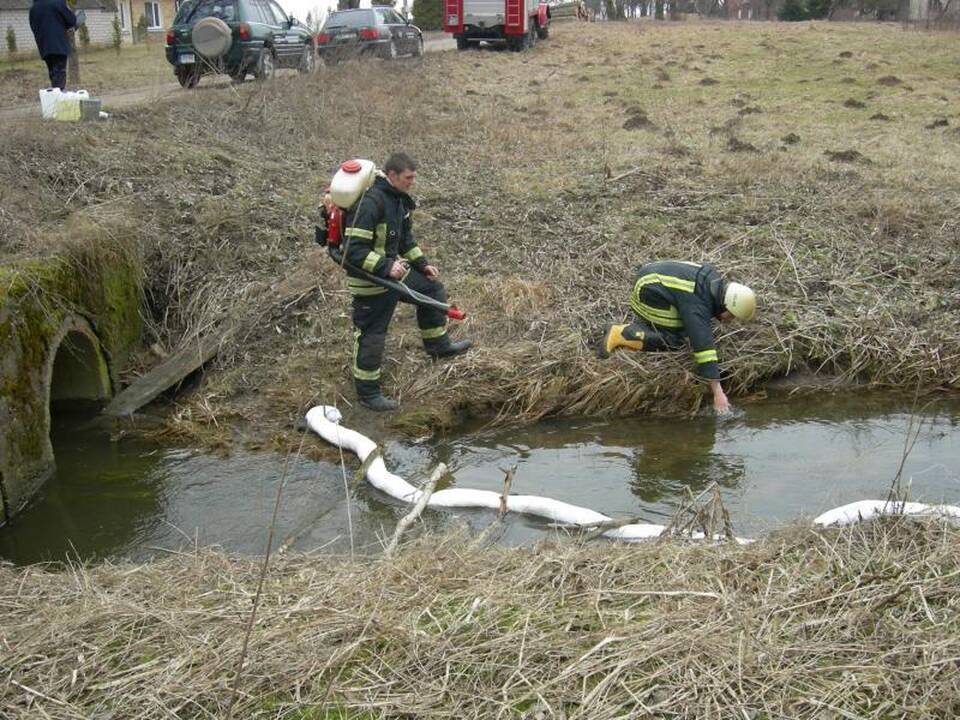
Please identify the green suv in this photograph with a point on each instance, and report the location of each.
(236, 37)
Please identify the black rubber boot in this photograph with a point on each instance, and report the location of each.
(371, 396)
(379, 403)
(443, 347)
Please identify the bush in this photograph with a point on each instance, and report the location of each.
(142, 29)
(883, 9)
(116, 36)
(793, 10)
(84, 36)
(818, 9)
(428, 14)
(11, 40)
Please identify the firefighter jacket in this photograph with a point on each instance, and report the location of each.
(682, 297)
(378, 230)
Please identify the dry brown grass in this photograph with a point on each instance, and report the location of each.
(860, 622)
(538, 205)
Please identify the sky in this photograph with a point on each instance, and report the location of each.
(300, 8)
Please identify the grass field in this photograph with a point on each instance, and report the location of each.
(814, 161)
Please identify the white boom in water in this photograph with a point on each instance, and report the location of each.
(324, 420)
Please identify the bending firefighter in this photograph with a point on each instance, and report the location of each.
(675, 302)
(378, 238)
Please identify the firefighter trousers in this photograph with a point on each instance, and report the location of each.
(655, 339)
(371, 318)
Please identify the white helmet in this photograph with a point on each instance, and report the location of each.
(740, 301)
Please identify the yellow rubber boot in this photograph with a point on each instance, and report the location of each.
(614, 338)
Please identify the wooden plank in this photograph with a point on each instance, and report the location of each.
(188, 359)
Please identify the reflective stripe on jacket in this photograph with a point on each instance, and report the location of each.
(378, 230)
(684, 297)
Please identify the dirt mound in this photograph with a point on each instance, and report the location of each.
(889, 81)
(637, 119)
(709, 81)
(790, 139)
(847, 156)
(737, 145)
(853, 103)
(676, 150)
(880, 116)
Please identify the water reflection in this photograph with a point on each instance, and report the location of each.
(91, 506)
(682, 457)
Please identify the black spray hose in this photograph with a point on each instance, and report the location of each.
(451, 311)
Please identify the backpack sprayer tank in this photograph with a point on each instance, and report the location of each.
(349, 183)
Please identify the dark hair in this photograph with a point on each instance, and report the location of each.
(399, 162)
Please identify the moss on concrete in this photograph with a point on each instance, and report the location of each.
(40, 301)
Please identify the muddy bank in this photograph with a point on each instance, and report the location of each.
(537, 204)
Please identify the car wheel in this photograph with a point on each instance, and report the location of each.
(265, 65)
(188, 76)
(418, 50)
(462, 43)
(237, 76)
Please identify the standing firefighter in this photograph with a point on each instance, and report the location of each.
(675, 302)
(379, 239)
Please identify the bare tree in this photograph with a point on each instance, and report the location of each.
(73, 62)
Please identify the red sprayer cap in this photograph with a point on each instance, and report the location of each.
(351, 166)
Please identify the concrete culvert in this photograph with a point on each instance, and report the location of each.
(211, 37)
(79, 369)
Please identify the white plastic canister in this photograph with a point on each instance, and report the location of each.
(49, 97)
(350, 182)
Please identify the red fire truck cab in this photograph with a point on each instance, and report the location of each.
(518, 23)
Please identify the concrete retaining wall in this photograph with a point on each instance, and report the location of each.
(67, 326)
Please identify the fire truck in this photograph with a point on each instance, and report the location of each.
(518, 23)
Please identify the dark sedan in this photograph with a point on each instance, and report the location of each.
(379, 31)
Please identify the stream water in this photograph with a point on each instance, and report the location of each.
(776, 461)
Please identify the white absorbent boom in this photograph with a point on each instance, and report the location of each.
(324, 420)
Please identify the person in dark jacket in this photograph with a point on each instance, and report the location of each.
(675, 303)
(379, 238)
(50, 20)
